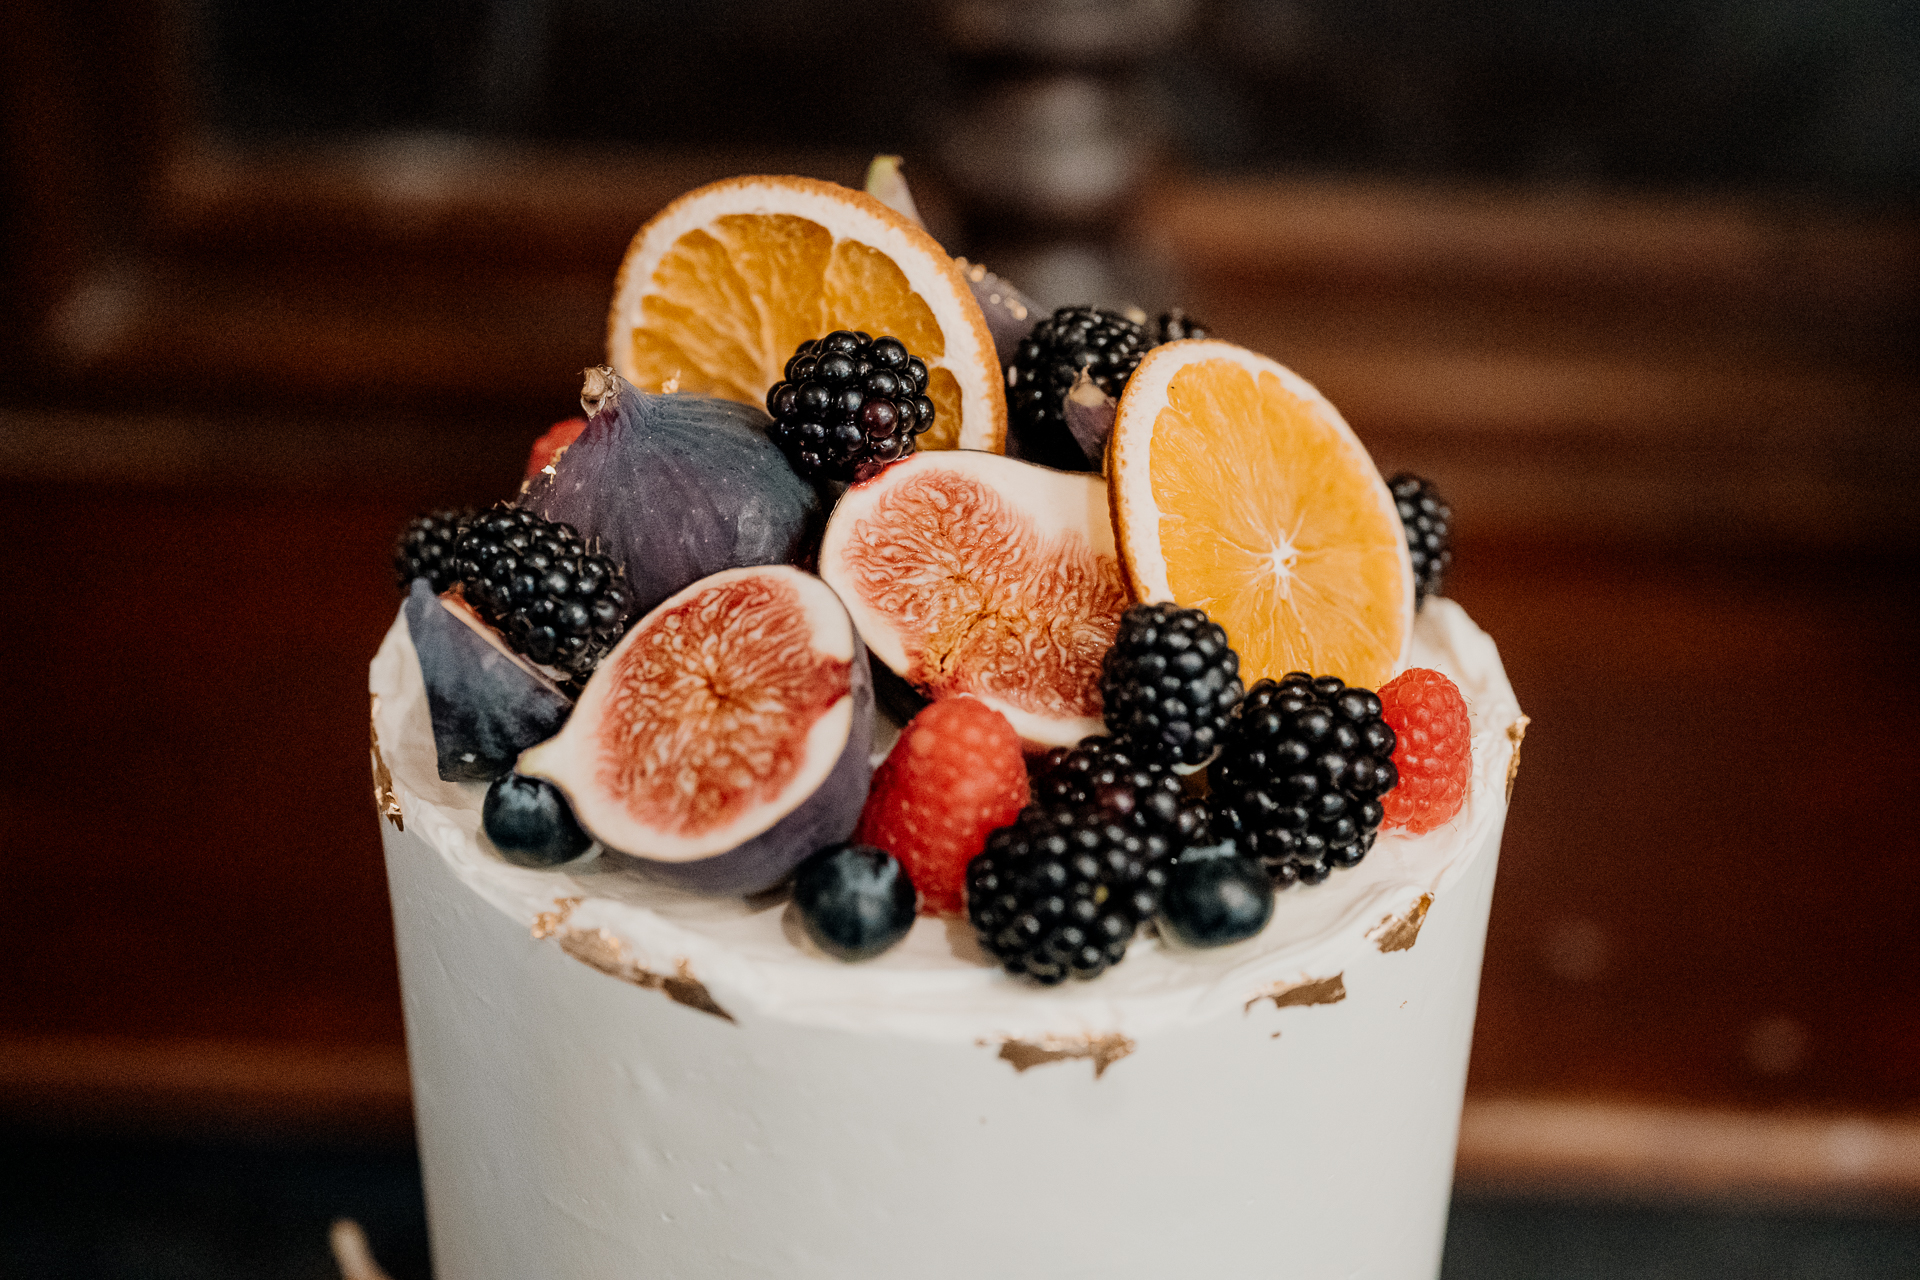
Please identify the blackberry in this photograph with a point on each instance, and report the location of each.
(1429, 524)
(848, 401)
(1104, 343)
(1300, 776)
(1169, 683)
(1059, 893)
(536, 582)
(1143, 794)
(1177, 324)
(425, 549)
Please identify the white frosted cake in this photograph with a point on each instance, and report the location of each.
(827, 842)
(614, 1079)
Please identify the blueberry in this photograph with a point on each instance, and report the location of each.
(1215, 896)
(529, 822)
(855, 901)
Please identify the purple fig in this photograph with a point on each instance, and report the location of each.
(1089, 413)
(675, 487)
(488, 704)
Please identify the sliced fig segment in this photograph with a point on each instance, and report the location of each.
(974, 573)
(488, 703)
(726, 736)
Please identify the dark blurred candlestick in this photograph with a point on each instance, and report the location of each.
(1051, 137)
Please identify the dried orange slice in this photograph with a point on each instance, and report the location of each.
(1236, 488)
(721, 286)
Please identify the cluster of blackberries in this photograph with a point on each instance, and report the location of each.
(536, 582)
(425, 549)
(1296, 769)
(849, 401)
(1106, 344)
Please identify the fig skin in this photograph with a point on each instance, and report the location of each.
(676, 487)
(827, 815)
(487, 705)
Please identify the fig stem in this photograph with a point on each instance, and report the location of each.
(601, 385)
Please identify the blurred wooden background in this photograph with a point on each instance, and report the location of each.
(1678, 431)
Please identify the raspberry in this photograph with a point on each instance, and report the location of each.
(551, 445)
(955, 775)
(1433, 749)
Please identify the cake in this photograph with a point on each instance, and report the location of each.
(621, 1071)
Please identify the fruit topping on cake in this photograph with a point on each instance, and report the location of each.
(847, 402)
(1238, 489)
(487, 703)
(853, 901)
(425, 549)
(1169, 683)
(675, 487)
(530, 824)
(1103, 771)
(954, 775)
(1433, 750)
(1060, 893)
(1300, 776)
(726, 736)
(552, 444)
(1067, 650)
(537, 583)
(1429, 525)
(720, 289)
(1215, 896)
(974, 573)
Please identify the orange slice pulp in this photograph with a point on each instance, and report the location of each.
(723, 284)
(1236, 488)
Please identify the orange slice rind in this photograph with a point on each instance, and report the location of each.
(1236, 488)
(720, 287)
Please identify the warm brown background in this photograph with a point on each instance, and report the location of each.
(1678, 434)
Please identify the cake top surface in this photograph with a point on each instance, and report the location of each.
(749, 958)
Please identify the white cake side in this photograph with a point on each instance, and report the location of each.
(738, 1106)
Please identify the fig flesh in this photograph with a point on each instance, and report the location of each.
(675, 487)
(727, 735)
(975, 573)
(488, 704)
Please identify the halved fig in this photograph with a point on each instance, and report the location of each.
(675, 487)
(726, 736)
(488, 703)
(974, 573)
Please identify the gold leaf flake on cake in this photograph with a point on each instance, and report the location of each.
(548, 923)
(607, 953)
(1399, 933)
(1516, 734)
(1104, 1050)
(386, 802)
(1312, 991)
